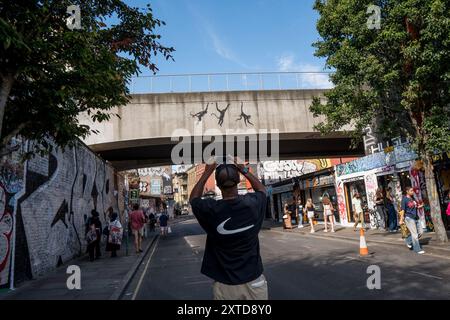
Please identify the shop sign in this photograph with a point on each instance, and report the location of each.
(134, 194)
(353, 179)
(156, 186)
(167, 189)
(281, 189)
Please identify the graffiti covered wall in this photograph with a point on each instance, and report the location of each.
(11, 183)
(57, 196)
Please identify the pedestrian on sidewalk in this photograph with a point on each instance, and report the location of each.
(93, 232)
(115, 232)
(309, 207)
(446, 216)
(328, 213)
(410, 217)
(381, 211)
(300, 213)
(163, 223)
(392, 213)
(358, 213)
(137, 220)
(287, 219)
(232, 256)
(151, 221)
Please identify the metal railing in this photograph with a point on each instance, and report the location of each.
(204, 82)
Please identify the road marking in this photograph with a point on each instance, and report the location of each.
(189, 242)
(427, 275)
(138, 287)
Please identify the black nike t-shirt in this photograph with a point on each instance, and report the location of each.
(232, 246)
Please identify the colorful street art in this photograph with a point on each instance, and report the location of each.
(56, 197)
(11, 182)
(341, 201)
(401, 153)
(272, 171)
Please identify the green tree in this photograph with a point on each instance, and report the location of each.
(50, 74)
(396, 77)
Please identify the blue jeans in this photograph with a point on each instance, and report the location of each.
(416, 229)
(392, 217)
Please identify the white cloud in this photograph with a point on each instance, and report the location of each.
(311, 78)
(219, 45)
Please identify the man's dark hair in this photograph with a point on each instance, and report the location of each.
(227, 176)
(135, 206)
(94, 213)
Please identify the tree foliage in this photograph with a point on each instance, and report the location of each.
(397, 77)
(50, 74)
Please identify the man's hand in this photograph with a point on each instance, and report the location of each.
(239, 163)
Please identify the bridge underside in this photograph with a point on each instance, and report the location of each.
(125, 155)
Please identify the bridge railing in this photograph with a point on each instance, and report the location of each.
(204, 82)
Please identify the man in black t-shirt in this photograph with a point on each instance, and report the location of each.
(232, 257)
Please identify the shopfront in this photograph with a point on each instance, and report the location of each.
(396, 169)
(281, 193)
(316, 186)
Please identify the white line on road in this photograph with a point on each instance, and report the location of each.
(138, 287)
(427, 275)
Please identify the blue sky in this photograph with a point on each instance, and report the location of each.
(237, 35)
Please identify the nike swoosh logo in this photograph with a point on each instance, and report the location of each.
(221, 228)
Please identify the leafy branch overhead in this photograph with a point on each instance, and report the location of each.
(396, 78)
(50, 74)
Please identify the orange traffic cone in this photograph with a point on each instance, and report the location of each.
(363, 250)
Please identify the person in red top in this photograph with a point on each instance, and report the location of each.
(137, 219)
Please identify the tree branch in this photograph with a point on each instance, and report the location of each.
(13, 133)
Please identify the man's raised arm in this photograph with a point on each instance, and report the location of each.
(197, 191)
(254, 181)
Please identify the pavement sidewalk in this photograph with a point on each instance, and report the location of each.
(101, 279)
(428, 240)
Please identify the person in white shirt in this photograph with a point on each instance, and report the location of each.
(358, 211)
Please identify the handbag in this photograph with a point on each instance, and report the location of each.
(169, 230)
(91, 235)
(405, 231)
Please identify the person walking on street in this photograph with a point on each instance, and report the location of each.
(300, 213)
(287, 218)
(410, 217)
(163, 219)
(93, 232)
(358, 213)
(328, 213)
(151, 221)
(309, 208)
(232, 253)
(114, 236)
(137, 220)
(379, 206)
(392, 213)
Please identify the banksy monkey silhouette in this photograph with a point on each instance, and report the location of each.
(245, 116)
(222, 113)
(200, 114)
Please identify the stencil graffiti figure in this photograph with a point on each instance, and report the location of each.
(222, 114)
(200, 114)
(244, 116)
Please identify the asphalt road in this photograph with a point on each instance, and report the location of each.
(296, 267)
